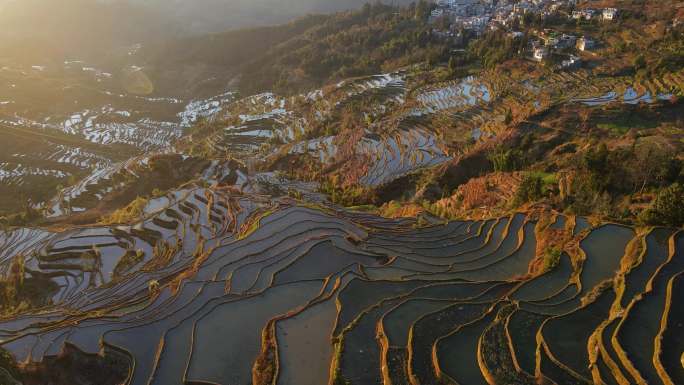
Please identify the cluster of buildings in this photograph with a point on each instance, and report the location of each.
(608, 14)
(468, 14)
(479, 15)
(550, 41)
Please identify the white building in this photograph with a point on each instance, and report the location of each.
(455, 3)
(523, 7)
(437, 12)
(540, 53)
(585, 44)
(586, 14)
(610, 14)
(572, 62)
(476, 23)
(554, 7)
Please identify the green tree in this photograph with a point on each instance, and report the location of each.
(530, 190)
(508, 118)
(422, 10)
(596, 162)
(453, 64)
(552, 258)
(639, 62)
(667, 209)
(504, 160)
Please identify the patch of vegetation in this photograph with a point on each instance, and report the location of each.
(131, 259)
(253, 224)
(131, 213)
(365, 208)
(9, 373)
(310, 51)
(26, 217)
(606, 176)
(621, 124)
(534, 187)
(109, 368)
(348, 196)
(369, 41)
(496, 47)
(667, 209)
(552, 258)
(506, 160)
(163, 253)
(21, 291)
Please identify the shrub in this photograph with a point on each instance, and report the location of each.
(8, 368)
(347, 195)
(667, 209)
(128, 261)
(552, 258)
(130, 213)
(639, 62)
(506, 160)
(530, 190)
(496, 47)
(596, 162)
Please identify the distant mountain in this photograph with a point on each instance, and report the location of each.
(292, 57)
(43, 30)
(102, 32)
(203, 16)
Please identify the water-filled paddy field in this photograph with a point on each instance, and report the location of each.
(268, 291)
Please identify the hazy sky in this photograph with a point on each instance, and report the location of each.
(197, 16)
(33, 29)
(213, 15)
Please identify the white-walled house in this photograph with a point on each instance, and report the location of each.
(585, 44)
(610, 14)
(437, 12)
(540, 53)
(586, 14)
(572, 62)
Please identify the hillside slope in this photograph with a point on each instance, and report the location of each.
(454, 213)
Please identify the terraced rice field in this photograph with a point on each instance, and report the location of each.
(223, 289)
(89, 104)
(465, 93)
(472, 103)
(216, 287)
(401, 141)
(392, 150)
(67, 122)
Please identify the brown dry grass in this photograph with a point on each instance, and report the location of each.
(396, 210)
(486, 196)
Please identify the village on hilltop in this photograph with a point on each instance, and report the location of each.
(453, 18)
